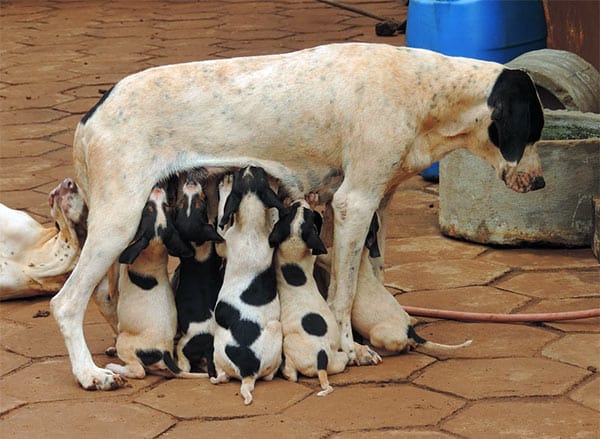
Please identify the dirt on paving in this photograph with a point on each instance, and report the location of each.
(515, 380)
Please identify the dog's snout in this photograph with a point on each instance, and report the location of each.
(538, 183)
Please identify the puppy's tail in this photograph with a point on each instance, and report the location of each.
(322, 362)
(176, 371)
(416, 340)
(246, 389)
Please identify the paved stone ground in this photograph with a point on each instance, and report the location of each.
(514, 381)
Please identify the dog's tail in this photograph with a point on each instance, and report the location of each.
(417, 340)
(246, 389)
(322, 362)
(176, 371)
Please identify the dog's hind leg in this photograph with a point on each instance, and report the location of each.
(246, 389)
(107, 236)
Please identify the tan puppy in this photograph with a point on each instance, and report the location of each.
(36, 260)
(146, 307)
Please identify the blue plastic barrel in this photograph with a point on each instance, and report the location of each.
(491, 30)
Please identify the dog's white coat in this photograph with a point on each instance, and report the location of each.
(374, 113)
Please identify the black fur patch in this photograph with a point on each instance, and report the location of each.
(314, 324)
(244, 359)
(198, 347)
(170, 363)
(517, 116)
(245, 332)
(322, 360)
(92, 110)
(226, 315)
(293, 274)
(149, 357)
(412, 335)
(262, 290)
(143, 282)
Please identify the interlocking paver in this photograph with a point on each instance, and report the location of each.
(501, 377)
(180, 397)
(557, 284)
(57, 419)
(490, 340)
(582, 350)
(542, 259)
(429, 248)
(442, 274)
(473, 299)
(405, 405)
(559, 305)
(525, 419)
(588, 394)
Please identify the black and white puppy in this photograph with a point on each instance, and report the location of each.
(147, 318)
(248, 336)
(197, 279)
(310, 332)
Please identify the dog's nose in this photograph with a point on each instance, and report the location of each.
(538, 183)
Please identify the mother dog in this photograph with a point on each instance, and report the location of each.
(367, 116)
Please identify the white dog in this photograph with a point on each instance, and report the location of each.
(373, 114)
(36, 260)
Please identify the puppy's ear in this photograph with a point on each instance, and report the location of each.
(271, 199)
(208, 233)
(231, 206)
(371, 241)
(318, 220)
(176, 246)
(133, 250)
(313, 242)
(280, 232)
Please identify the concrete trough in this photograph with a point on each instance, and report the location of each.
(475, 205)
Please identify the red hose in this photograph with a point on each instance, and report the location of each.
(502, 318)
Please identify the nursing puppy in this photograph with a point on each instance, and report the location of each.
(197, 280)
(376, 314)
(349, 121)
(36, 260)
(248, 335)
(147, 318)
(310, 332)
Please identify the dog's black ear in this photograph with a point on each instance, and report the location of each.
(133, 250)
(208, 233)
(318, 220)
(231, 206)
(176, 246)
(371, 241)
(314, 242)
(282, 228)
(311, 229)
(270, 199)
(517, 116)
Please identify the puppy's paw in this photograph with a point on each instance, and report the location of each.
(365, 355)
(111, 351)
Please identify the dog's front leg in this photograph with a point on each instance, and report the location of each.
(353, 210)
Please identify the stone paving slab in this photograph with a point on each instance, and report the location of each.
(56, 60)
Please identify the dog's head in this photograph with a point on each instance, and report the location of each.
(156, 227)
(249, 180)
(301, 226)
(191, 213)
(515, 124)
(69, 211)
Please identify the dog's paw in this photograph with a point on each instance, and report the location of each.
(102, 379)
(365, 355)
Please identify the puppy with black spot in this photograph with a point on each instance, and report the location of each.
(310, 332)
(147, 318)
(248, 337)
(197, 280)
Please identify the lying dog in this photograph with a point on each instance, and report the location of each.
(376, 314)
(197, 279)
(372, 114)
(146, 308)
(310, 332)
(248, 336)
(36, 260)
